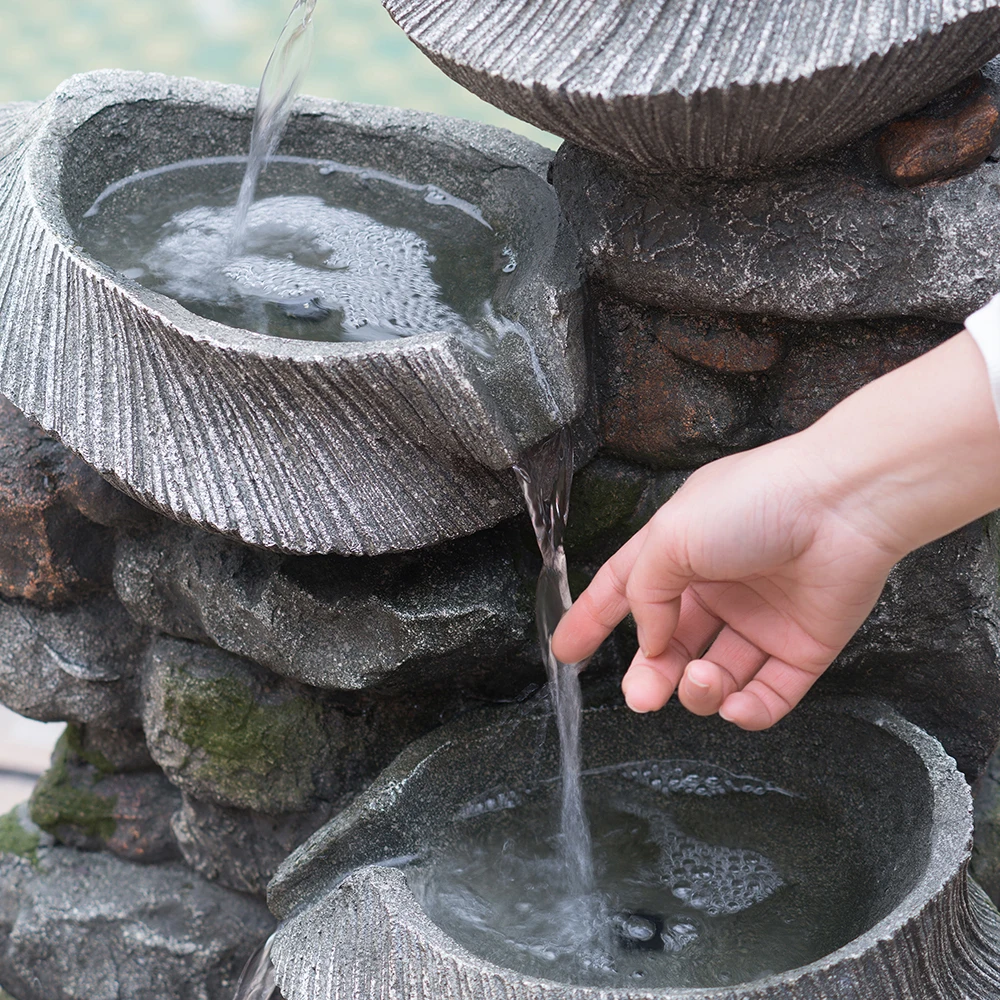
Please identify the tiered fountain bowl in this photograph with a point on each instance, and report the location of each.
(298, 445)
(918, 929)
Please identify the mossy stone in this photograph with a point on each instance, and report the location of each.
(62, 799)
(611, 500)
(15, 839)
(227, 730)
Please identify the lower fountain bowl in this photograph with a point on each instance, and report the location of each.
(916, 928)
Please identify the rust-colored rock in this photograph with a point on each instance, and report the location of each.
(662, 410)
(55, 513)
(835, 360)
(738, 344)
(947, 138)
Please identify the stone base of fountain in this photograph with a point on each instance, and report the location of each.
(82, 924)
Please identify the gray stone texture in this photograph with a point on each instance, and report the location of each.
(239, 849)
(675, 85)
(338, 622)
(82, 926)
(831, 239)
(295, 445)
(78, 663)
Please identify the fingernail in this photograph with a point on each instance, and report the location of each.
(701, 685)
(725, 714)
(642, 641)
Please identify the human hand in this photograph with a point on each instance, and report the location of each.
(751, 579)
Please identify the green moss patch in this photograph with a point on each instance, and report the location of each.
(253, 747)
(14, 839)
(61, 799)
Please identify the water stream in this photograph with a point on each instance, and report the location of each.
(546, 474)
(279, 87)
(257, 981)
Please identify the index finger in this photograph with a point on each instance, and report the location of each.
(599, 608)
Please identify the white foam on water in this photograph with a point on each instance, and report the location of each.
(299, 249)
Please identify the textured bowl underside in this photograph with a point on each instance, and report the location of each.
(302, 446)
(354, 929)
(718, 85)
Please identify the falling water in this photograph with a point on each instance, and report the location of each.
(257, 980)
(278, 89)
(546, 473)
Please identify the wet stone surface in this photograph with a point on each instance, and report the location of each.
(86, 926)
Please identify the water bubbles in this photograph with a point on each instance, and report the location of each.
(309, 260)
(511, 265)
(678, 935)
(671, 777)
(435, 196)
(716, 880)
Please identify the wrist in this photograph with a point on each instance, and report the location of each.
(914, 454)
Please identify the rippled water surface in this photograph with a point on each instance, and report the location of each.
(331, 252)
(702, 878)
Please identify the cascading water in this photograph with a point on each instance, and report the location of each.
(279, 86)
(546, 474)
(256, 982)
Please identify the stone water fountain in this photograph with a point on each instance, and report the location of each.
(278, 586)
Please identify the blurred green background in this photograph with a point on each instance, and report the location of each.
(360, 54)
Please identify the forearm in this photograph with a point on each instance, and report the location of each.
(914, 454)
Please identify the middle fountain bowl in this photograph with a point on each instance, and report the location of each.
(298, 445)
(916, 927)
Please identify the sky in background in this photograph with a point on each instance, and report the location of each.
(360, 54)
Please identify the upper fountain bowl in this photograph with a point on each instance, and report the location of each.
(298, 444)
(714, 85)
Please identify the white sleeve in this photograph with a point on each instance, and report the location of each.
(984, 325)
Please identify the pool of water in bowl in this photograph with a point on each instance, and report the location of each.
(332, 252)
(703, 879)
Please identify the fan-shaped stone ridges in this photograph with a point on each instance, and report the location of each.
(302, 446)
(704, 84)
